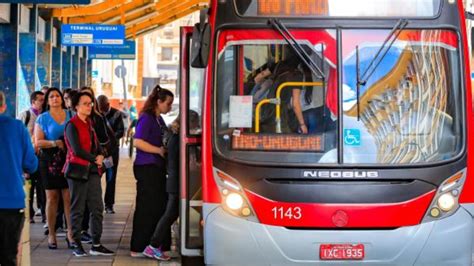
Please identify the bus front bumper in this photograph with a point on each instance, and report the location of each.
(229, 240)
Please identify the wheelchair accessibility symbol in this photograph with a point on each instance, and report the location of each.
(352, 137)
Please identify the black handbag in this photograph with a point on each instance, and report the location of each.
(77, 172)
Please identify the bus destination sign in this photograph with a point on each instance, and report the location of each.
(293, 7)
(273, 142)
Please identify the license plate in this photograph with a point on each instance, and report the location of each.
(341, 252)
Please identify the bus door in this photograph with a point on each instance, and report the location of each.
(191, 90)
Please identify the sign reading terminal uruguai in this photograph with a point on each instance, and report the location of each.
(293, 7)
(274, 142)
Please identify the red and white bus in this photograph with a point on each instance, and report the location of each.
(331, 131)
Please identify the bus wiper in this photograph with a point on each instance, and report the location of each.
(379, 56)
(302, 54)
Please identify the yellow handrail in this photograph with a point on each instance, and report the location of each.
(257, 114)
(277, 101)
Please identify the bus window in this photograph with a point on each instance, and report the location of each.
(268, 100)
(195, 97)
(408, 108)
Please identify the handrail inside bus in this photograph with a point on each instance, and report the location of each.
(277, 102)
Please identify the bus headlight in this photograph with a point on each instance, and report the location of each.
(234, 201)
(446, 200)
(233, 196)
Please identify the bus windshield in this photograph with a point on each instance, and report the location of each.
(410, 107)
(270, 108)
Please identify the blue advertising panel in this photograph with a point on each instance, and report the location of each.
(92, 34)
(125, 51)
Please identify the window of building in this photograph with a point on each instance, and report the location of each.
(166, 53)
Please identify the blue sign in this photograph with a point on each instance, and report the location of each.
(125, 51)
(352, 137)
(95, 74)
(92, 34)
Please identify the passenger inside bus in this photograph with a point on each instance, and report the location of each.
(287, 70)
(304, 109)
(262, 82)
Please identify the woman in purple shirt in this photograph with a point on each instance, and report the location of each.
(149, 168)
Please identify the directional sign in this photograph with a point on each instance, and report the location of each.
(120, 71)
(91, 34)
(125, 51)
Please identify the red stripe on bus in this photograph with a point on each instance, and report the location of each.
(321, 215)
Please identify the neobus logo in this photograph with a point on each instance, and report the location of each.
(341, 174)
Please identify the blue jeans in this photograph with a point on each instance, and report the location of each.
(313, 118)
(317, 123)
(111, 177)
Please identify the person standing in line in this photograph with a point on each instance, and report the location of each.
(83, 169)
(154, 250)
(68, 94)
(133, 114)
(150, 170)
(126, 122)
(44, 89)
(17, 156)
(49, 137)
(114, 118)
(28, 118)
(104, 133)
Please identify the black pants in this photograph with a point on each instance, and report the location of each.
(86, 219)
(37, 184)
(162, 230)
(86, 193)
(11, 224)
(150, 205)
(111, 177)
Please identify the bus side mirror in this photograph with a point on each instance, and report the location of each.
(201, 41)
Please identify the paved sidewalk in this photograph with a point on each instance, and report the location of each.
(116, 235)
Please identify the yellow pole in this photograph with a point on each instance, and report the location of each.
(277, 101)
(278, 96)
(257, 114)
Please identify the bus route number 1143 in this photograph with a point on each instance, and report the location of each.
(286, 213)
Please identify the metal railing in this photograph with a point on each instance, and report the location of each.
(277, 102)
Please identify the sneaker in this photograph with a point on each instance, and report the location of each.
(78, 251)
(155, 253)
(109, 210)
(136, 254)
(100, 251)
(86, 238)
